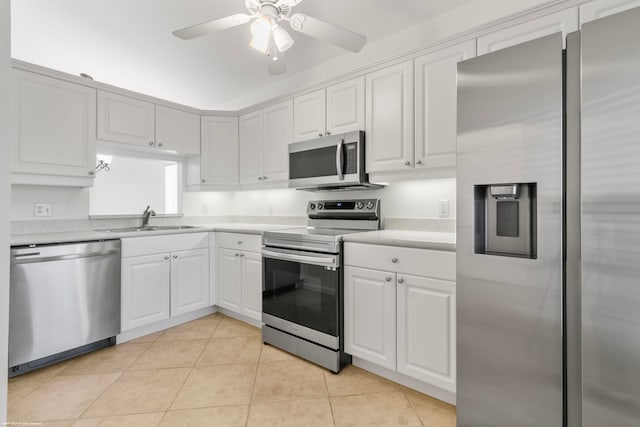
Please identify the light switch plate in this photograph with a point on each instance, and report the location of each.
(42, 209)
(443, 209)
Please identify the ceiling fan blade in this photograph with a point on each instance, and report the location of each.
(289, 3)
(198, 30)
(277, 67)
(339, 36)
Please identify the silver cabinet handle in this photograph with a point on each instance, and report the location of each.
(241, 255)
(319, 134)
(160, 144)
(388, 278)
(167, 257)
(328, 133)
(419, 162)
(394, 260)
(91, 173)
(400, 280)
(150, 142)
(175, 256)
(239, 242)
(237, 254)
(259, 178)
(264, 177)
(407, 163)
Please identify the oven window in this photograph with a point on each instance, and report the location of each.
(313, 163)
(301, 293)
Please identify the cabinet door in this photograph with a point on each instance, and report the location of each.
(229, 283)
(54, 125)
(309, 116)
(427, 330)
(389, 118)
(370, 315)
(345, 106)
(177, 130)
(250, 148)
(601, 8)
(564, 21)
(277, 135)
(189, 281)
(252, 285)
(435, 104)
(145, 290)
(219, 159)
(124, 119)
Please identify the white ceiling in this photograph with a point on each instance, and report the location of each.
(128, 43)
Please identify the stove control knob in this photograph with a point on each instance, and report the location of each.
(312, 206)
(319, 205)
(359, 205)
(370, 205)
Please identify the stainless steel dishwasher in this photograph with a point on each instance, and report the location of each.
(64, 301)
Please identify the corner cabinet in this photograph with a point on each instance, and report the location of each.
(389, 118)
(600, 8)
(163, 277)
(219, 159)
(400, 310)
(54, 131)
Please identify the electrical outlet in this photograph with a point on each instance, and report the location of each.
(443, 209)
(42, 209)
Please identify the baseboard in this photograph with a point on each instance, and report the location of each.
(406, 381)
(164, 324)
(242, 318)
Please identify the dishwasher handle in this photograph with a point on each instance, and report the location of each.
(34, 256)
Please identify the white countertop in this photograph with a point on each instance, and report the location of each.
(83, 236)
(406, 238)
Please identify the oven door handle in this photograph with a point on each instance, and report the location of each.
(340, 159)
(324, 261)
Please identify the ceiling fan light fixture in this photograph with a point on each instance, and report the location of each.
(261, 44)
(261, 27)
(283, 40)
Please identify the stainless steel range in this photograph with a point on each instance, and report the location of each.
(302, 297)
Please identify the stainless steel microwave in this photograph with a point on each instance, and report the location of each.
(335, 162)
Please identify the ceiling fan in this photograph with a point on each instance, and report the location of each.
(269, 37)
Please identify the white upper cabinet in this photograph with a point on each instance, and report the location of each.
(177, 130)
(435, 105)
(345, 106)
(126, 120)
(309, 112)
(219, 158)
(276, 137)
(389, 118)
(54, 129)
(601, 8)
(564, 21)
(250, 131)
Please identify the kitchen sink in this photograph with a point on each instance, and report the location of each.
(147, 228)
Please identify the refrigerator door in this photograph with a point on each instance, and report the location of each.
(509, 345)
(611, 221)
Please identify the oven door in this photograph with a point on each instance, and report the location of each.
(336, 160)
(301, 294)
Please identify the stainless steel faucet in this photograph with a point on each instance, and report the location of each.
(146, 214)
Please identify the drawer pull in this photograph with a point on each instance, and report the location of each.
(388, 278)
(400, 280)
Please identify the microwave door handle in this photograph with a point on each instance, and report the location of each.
(340, 159)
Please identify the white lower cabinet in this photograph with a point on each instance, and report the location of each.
(239, 274)
(163, 277)
(370, 315)
(401, 321)
(146, 284)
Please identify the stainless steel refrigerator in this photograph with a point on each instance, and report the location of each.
(548, 234)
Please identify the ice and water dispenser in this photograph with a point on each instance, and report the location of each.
(505, 220)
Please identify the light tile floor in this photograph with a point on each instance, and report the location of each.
(213, 371)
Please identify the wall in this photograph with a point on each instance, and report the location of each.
(410, 199)
(5, 55)
(68, 203)
(465, 18)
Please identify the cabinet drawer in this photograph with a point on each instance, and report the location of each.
(422, 262)
(239, 241)
(136, 246)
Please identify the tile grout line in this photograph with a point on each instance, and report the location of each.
(413, 408)
(326, 384)
(100, 394)
(255, 379)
